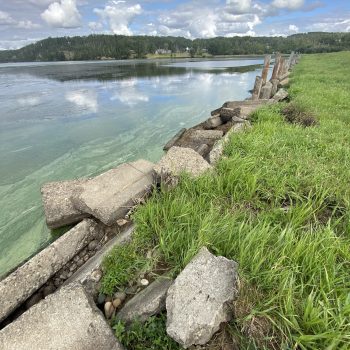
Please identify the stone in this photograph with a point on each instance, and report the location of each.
(144, 282)
(178, 160)
(92, 245)
(203, 135)
(109, 309)
(215, 111)
(203, 149)
(58, 208)
(227, 114)
(148, 302)
(48, 290)
(280, 95)
(213, 122)
(122, 222)
(116, 302)
(247, 107)
(257, 88)
(266, 91)
(101, 299)
(198, 301)
(284, 82)
(28, 278)
(274, 83)
(109, 196)
(238, 120)
(120, 295)
(173, 140)
(65, 320)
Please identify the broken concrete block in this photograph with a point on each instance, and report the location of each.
(213, 122)
(265, 93)
(28, 278)
(227, 114)
(203, 135)
(280, 95)
(58, 208)
(198, 301)
(109, 196)
(178, 160)
(147, 303)
(172, 142)
(65, 320)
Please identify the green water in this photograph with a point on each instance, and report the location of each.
(68, 120)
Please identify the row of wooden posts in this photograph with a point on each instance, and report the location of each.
(264, 89)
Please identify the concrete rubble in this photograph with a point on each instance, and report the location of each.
(66, 320)
(198, 301)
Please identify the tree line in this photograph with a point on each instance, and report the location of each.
(97, 47)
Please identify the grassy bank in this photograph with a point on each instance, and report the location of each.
(278, 204)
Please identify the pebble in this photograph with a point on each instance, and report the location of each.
(48, 290)
(76, 258)
(57, 282)
(73, 267)
(144, 282)
(122, 222)
(116, 303)
(109, 309)
(120, 295)
(80, 262)
(101, 299)
(92, 245)
(131, 290)
(96, 275)
(86, 257)
(69, 274)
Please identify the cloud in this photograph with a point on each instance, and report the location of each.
(6, 19)
(29, 101)
(63, 14)
(288, 4)
(85, 99)
(239, 6)
(128, 93)
(330, 25)
(119, 15)
(27, 25)
(293, 28)
(95, 26)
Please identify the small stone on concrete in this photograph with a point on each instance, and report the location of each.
(198, 301)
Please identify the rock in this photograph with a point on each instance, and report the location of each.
(96, 275)
(148, 302)
(144, 282)
(265, 93)
(197, 302)
(34, 299)
(73, 267)
(213, 122)
(203, 135)
(173, 141)
(48, 290)
(29, 277)
(109, 309)
(122, 222)
(238, 120)
(284, 82)
(116, 303)
(65, 320)
(109, 196)
(247, 107)
(120, 295)
(274, 83)
(131, 290)
(101, 299)
(227, 114)
(280, 95)
(179, 160)
(92, 245)
(203, 149)
(215, 111)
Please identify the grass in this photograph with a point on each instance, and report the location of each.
(278, 204)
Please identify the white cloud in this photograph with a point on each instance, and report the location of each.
(119, 15)
(29, 101)
(27, 25)
(5, 18)
(288, 4)
(293, 28)
(63, 14)
(95, 26)
(239, 6)
(330, 25)
(85, 99)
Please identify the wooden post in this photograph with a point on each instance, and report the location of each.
(276, 66)
(266, 69)
(257, 88)
(280, 68)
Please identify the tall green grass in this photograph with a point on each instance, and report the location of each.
(278, 204)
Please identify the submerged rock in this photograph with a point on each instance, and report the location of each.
(197, 302)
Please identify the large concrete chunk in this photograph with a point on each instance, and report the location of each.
(280, 95)
(147, 303)
(28, 278)
(59, 210)
(247, 107)
(266, 91)
(66, 320)
(206, 135)
(227, 114)
(178, 160)
(109, 196)
(213, 122)
(197, 302)
(174, 139)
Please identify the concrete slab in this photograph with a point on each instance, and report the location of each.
(109, 196)
(58, 208)
(178, 160)
(65, 320)
(28, 278)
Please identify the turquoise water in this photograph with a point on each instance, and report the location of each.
(68, 120)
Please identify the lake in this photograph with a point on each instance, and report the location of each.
(73, 119)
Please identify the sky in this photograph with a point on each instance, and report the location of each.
(25, 21)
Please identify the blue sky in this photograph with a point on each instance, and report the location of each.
(26, 21)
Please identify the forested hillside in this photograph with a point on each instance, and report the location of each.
(94, 47)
